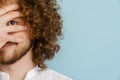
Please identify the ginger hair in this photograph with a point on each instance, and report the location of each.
(45, 27)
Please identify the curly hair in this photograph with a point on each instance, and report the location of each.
(45, 28)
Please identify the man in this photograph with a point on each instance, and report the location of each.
(28, 36)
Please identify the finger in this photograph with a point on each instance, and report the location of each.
(8, 8)
(11, 29)
(8, 38)
(15, 28)
(4, 39)
(14, 39)
(9, 16)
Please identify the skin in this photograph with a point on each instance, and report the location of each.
(18, 35)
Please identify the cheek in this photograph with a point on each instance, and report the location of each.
(22, 35)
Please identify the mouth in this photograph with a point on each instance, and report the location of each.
(8, 44)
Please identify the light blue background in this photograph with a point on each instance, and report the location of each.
(91, 45)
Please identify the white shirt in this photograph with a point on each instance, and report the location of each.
(37, 74)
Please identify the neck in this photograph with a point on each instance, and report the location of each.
(19, 69)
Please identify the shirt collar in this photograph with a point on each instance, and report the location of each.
(31, 73)
(4, 76)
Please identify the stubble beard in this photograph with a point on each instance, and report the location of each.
(16, 55)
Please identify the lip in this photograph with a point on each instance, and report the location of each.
(8, 44)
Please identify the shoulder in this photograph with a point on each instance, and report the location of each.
(53, 75)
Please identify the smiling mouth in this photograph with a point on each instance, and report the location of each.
(8, 44)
